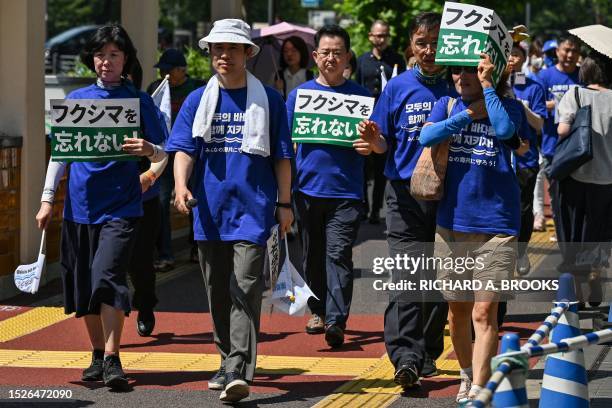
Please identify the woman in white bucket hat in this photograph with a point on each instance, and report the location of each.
(233, 134)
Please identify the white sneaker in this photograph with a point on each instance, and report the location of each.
(235, 390)
(464, 389)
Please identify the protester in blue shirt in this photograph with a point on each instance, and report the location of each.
(556, 81)
(479, 214)
(531, 94)
(329, 193)
(414, 331)
(233, 136)
(102, 209)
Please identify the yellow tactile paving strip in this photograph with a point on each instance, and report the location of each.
(30, 321)
(173, 362)
(375, 386)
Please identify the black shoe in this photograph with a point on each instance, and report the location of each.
(429, 368)
(218, 381)
(236, 388)
(114, 377)
(406, 375)
(595, 292)
(145, 323)
(334, 336)
(523, 266)
(193, 256)
(374, 218)
(95, 370)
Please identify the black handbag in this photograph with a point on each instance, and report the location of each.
(575, 149)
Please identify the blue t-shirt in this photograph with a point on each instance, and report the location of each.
(236, 191)
(325, 170)
(400, 113)
(481, 191)
(532, 94)
(556, 84)
(103, 191)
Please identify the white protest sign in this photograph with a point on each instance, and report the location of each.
(329, 117)
(93, 129)
(468, 30)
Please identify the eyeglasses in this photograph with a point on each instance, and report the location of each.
(424, 44)
(336, 54)
(467, 70)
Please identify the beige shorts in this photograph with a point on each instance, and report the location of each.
(475, 263)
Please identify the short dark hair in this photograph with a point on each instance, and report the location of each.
(427, 20)
(596, 69)
(136, 74)
(115, 34)
(570, 38)
(521, 49)
(333, 30)
(379, 22)
(300, 45)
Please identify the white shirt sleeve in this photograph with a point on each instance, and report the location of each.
(55, 172)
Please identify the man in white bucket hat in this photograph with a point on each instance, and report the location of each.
(233, 134)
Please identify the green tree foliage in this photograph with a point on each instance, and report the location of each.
(183, 14)
(65, 14)
(198, 66)
(398, 13)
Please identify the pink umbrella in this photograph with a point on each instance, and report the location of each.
(265, 65)
(284, 30)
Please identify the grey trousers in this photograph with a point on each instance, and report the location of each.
(234, 284)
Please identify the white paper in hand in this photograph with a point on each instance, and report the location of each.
(27, 277)
(291, 293)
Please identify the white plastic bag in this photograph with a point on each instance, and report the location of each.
(290, 293)
(27, 277)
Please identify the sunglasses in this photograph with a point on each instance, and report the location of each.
(467, 70)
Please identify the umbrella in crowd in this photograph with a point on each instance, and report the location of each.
(270, 39)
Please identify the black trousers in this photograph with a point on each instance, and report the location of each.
(583, 221)
(141, 270)
(412, 329)
(328, 228)
(527, 180)
(374, 169)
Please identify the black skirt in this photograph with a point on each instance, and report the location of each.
(95, 260)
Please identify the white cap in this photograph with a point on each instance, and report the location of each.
(229, 30)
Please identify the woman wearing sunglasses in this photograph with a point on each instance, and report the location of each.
(479, 215)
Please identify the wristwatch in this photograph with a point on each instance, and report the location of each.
(283, 205)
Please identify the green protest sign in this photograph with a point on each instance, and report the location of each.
(468, 30)
(329, 117)
(93, 129)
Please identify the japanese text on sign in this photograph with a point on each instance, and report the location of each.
(93, 129)
(329, 117)
(468, 30)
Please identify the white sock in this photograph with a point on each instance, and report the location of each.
(466, 372)
(475, 390)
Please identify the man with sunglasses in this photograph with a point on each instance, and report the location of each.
(369, 67)
(328, 195)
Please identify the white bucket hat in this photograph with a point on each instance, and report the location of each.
(229, 30)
